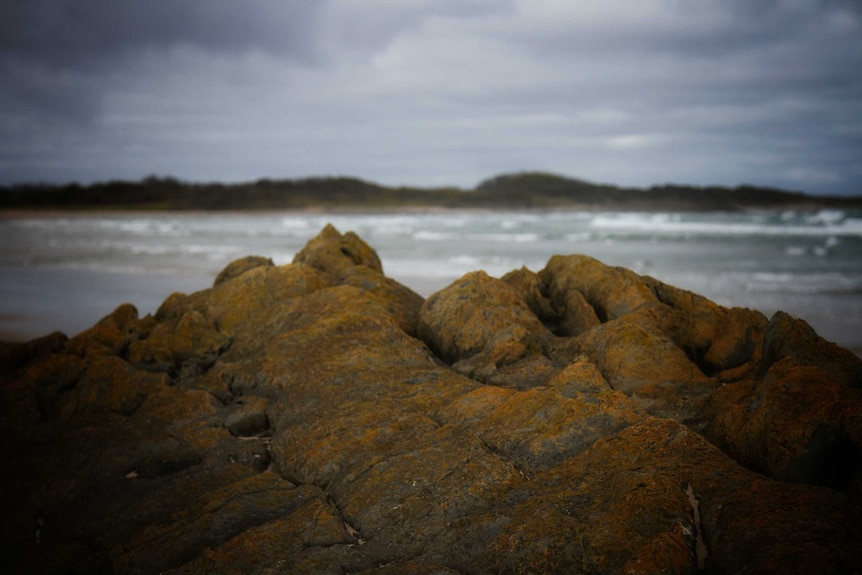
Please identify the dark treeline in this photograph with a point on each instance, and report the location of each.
(512, 191)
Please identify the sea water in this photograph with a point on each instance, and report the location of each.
(65, 272)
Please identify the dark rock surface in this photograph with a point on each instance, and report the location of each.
(319, 417)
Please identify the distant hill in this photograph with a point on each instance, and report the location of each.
(530, 190)
(548, 190)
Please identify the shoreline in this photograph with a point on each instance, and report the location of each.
(89, 212)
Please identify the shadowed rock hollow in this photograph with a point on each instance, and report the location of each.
(319, 417)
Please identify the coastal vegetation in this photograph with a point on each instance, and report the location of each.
(529, 190)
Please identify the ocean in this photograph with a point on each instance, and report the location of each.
(65, 272)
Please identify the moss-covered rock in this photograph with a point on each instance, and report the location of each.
(610, 291)
(467, 318)
(786, 336)
(319, 417)
(238, 267)
(796, 424)
(332, 253)
(484, 328)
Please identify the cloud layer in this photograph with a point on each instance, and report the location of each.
(434, 92)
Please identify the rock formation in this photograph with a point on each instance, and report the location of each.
(319, 417)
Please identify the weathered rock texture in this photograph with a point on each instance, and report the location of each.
(319, 417)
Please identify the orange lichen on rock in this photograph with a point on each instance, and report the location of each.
(320, 417)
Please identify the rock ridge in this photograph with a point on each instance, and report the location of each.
(320, 417)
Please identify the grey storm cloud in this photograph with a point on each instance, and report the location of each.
(85, 33)
(434, 92)
(52, 52)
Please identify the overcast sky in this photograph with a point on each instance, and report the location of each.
(434, 92)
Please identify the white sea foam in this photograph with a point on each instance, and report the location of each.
(464, 260)
(145, 226)
(826, 217)
(294, 223)
(774, 277)
(452, 267)
(826, 283)
(508, 238)
(432, 236)
(831, 223)
(579, 237)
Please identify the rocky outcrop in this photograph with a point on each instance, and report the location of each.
(319, 417)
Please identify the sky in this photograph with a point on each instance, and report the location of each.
(434, 92)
